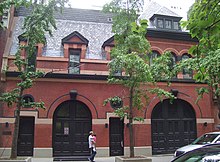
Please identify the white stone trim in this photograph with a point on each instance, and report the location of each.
(9, 120)
(203, 120)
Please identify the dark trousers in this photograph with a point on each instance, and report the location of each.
(93, 153)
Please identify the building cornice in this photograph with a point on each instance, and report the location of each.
(169, 34)
(92, 77)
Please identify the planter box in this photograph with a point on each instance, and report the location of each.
(134, 159)
(28, 159)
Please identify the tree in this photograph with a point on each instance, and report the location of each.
(204, 24)
(40, 21)
(130, 57)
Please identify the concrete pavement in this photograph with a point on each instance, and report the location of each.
(158, 158)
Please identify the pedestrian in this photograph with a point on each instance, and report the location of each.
(91, 147)
(94, 139)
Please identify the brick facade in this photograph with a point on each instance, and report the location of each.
(92, 88)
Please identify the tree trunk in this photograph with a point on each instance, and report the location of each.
(16, 127)
(131, 140)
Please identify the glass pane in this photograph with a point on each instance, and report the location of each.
(168, 24)
(176, 25)
(207, 138)
(32, 60)
(81, 111)
(63, 112)
(58, 127)
(187, 73)
(74, 61)
(66, 128)
(74, 58)
(153, 56)
(184, 57)
(160, 23)
(73, 70)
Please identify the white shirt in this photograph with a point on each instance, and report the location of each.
(91, 139)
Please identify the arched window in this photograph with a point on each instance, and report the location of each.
(27, 99)
(187, 73)
(174, 59)
(153, 55)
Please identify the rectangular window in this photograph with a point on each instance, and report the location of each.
(176, 25)
(160, 23)
(168, 24)
(32, 60)
(74, 61)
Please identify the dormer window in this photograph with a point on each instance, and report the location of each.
(160, 23)
(176, 25)
(75, 46)
(74, 61)
(168, 24)
(165, 22)
(31, 57)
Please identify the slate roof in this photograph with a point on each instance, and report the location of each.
(93, 25)
(74, 14)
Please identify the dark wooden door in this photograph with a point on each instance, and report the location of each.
(172, 125)
(71, 125)
(116, 134)
(26, 136)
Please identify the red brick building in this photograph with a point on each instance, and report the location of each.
(75, 85)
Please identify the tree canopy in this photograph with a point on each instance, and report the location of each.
(204, 24)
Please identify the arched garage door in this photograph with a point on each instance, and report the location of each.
(172, 125)
(71, 123)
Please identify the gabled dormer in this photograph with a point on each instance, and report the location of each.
(75, 38)
(107, 46)
(31, 57)
(75, 41)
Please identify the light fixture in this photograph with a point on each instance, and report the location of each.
(174, 92)
(106, 125)
(73, 94)
(6, 124)
(205, 124)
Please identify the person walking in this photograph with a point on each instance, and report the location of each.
(91, 142)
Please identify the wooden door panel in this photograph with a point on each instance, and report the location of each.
(72, 122)
(172, 125)
(26, 136)
(116, 137)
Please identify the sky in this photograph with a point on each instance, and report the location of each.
(178, 6)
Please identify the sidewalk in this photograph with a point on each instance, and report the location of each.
(160, 158)
(97, 159)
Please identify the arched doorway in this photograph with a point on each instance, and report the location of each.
(72, 121)
(172, 125)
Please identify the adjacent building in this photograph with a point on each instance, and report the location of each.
(75, 85)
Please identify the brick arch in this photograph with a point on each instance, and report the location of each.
(172, 50)
(184, 51)
(66, 97)
(182, 96)
(154, 48)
